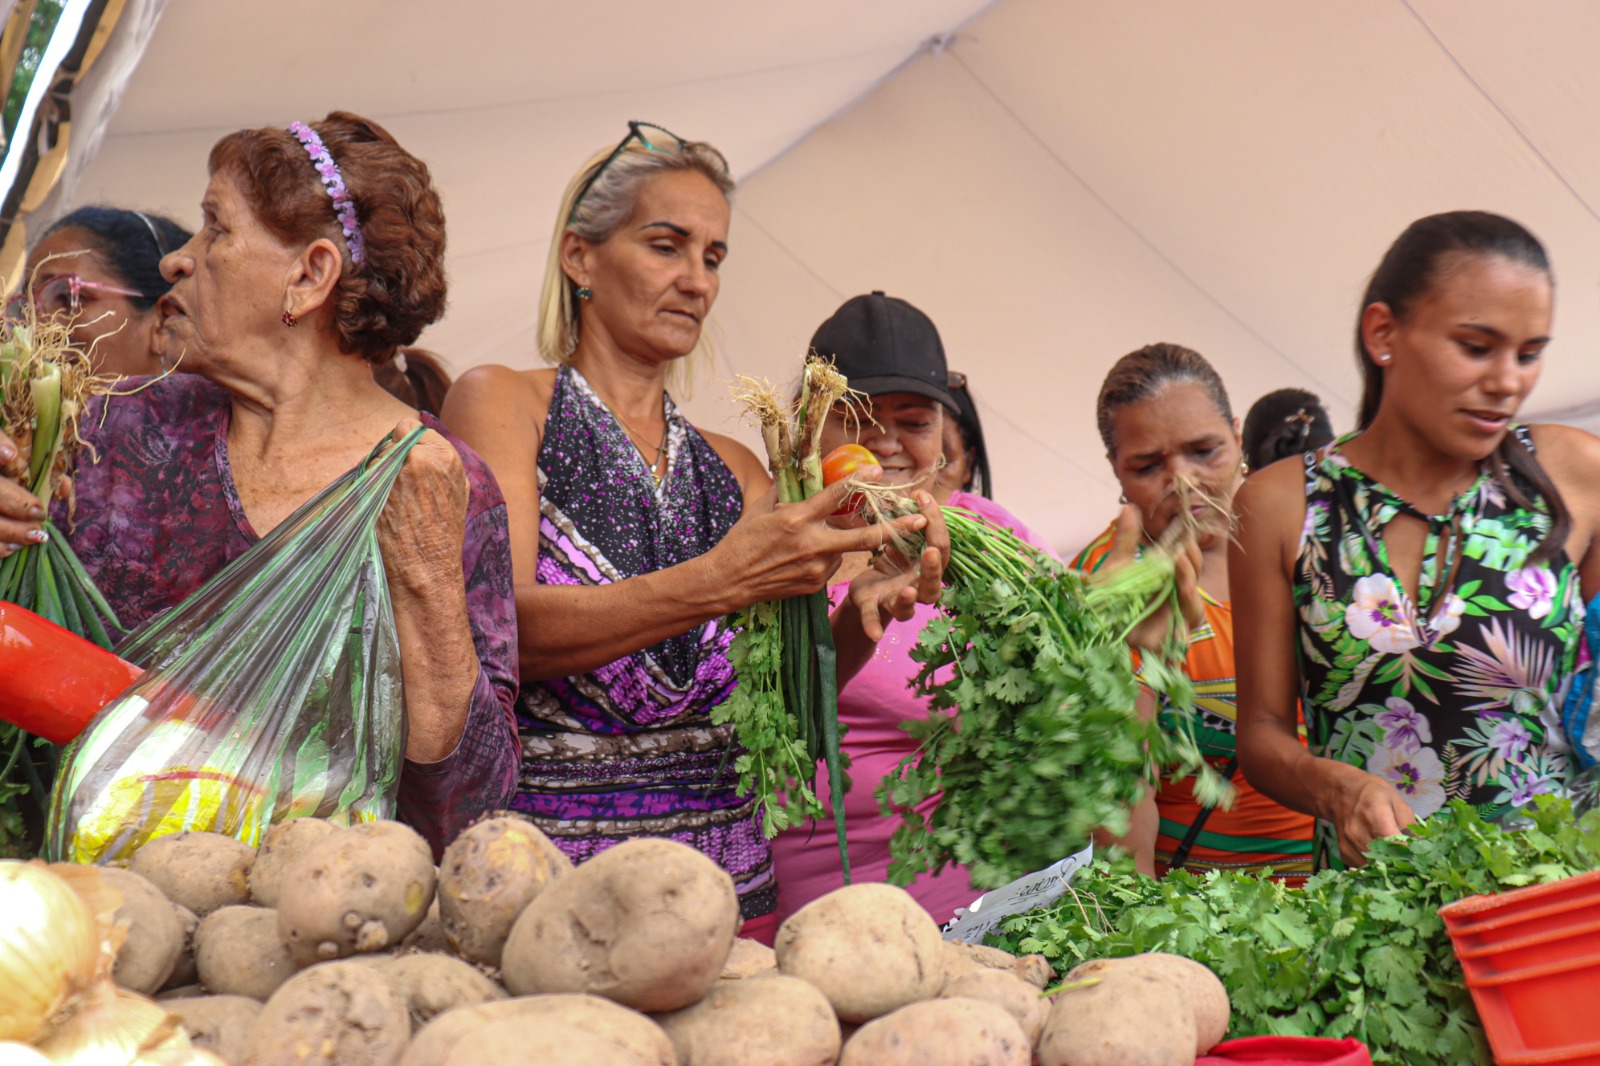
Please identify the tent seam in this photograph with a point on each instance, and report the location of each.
(784, 248)
(936, 44)
(1488, 97)
(1156, 249)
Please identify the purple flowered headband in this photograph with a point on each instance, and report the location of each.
(333, 181)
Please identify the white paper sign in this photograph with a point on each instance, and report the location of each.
(1039, 889)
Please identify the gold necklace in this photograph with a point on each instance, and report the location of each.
(641, 442)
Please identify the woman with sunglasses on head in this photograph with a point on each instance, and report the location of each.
(321, 252)
(101, 268)
(633, 533)
(1418, 583)
(1173, 443)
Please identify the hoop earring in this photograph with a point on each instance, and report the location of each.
(289, 320)
(585, 293)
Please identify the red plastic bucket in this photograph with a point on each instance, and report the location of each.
(1288, 1051)
(1532, 962)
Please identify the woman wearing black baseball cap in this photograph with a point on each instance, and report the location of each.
(892, 352)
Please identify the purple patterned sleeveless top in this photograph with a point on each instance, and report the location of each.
(629, 749)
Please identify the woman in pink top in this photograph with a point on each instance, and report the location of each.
(890, 351)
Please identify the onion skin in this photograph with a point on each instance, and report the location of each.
(112, 1025)
(51, 949)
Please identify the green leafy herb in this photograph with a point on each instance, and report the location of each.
(1034, 741)
(1360, 953)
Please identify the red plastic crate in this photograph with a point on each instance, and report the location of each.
(1532, 962)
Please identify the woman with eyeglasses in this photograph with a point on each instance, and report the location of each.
(100, 267)
(633, 533)
(321, 252)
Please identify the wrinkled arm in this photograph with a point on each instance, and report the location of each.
(479, 774)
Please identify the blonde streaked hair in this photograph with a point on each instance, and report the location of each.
(608, 202)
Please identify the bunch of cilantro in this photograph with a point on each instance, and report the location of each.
(776, 761)
(1360, 953)
(1033, 741)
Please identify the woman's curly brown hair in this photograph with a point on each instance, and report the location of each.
(399, 288)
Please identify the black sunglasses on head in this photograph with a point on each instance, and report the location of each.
(636, 132)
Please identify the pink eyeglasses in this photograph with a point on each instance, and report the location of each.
(62, 294)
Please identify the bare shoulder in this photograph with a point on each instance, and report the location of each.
(498, 396)
(1269, 510)
(749, 470)
(1567, 450)
(1571, 457)
(1274, 493)
(492, 385)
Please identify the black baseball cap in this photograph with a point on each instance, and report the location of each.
(883, 344)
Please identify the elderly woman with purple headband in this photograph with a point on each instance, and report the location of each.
(321, 253)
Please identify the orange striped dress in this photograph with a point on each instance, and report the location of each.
(1255, 832)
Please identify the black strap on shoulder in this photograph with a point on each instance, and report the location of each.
(1187, 844)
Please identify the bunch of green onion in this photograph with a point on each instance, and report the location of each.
(785, 709)
(45, 382)
(40, 410)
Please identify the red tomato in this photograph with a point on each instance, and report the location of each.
(842, 463)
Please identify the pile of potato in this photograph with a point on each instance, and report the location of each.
(346, 946)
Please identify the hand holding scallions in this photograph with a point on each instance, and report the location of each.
(21, 513)
(778, 550)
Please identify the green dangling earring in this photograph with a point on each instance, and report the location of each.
(584, 292)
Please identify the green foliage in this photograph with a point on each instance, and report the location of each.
(776, 766)
(1359, 952)
(1034, 741)
(40, 29)
(27, 764)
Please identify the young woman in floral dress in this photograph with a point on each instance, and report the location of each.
(1419, 583)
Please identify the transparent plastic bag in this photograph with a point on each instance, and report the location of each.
(273, 692)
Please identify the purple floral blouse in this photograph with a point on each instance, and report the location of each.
(158, 515)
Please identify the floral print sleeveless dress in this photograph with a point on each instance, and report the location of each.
(1454, 699)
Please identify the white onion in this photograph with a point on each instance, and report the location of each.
(50, 948)
(111, 1026)
(14, 1054)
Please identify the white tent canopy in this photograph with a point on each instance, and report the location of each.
(1055, 183)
